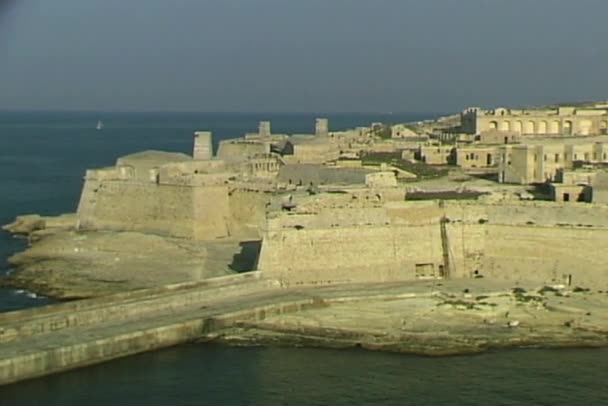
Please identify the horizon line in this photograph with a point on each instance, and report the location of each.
(226, 112)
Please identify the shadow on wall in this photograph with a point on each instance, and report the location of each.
(247, 259)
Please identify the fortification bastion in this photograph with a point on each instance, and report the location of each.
(319, 224)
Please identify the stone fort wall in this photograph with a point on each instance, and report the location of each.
(543, 243)
(183, 211)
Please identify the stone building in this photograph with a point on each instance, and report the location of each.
(496, 137)
(563, 120)
(241, 149)
(264, 165)
(436, 154)
(599, 188)
(541, 160)
(477, 156)
(308, 149)
(588, 183)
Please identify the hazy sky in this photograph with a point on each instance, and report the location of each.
(300, 55)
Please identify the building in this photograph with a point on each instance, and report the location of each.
(541, 160)
(477, 156)
(564, 120)
(587, 183)
(308, 149)
(436, 154)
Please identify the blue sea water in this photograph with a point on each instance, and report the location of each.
(43, 157)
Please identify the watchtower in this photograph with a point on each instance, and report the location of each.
(264, 129)
(322, 127)
(203, 148)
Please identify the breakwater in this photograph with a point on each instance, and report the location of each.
(37, 342)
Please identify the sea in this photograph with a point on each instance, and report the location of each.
(43, 158)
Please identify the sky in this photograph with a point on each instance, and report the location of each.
(300, 55)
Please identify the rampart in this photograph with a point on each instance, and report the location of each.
(402, 241)
(202, 206)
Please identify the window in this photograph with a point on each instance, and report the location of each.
(424, 271)
(556, 157)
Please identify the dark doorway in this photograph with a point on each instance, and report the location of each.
(247, 259)
(566, 197)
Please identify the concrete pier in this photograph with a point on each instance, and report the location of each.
(56, 338)
(37, 342)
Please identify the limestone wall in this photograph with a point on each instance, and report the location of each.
(529, 213)
(542, 242)
(132, 206)
(185, 211)
(351, 254)
(546, 255)
(247, 213)
(231, 150)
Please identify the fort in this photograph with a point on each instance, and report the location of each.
(582, 120)
(484, 230)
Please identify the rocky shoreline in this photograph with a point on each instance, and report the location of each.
(433, 318)
(447, 323)
(414, 344)
(64, 263)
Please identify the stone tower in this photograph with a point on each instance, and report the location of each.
(203, 148)
(322, 127)
(264, 129)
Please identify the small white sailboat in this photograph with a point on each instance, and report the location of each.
(99, 125)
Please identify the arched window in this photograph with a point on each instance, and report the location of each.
(530, 127)
(518, 127)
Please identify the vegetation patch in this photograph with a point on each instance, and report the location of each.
(420, 169)
(383, 131)
(522, 297)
